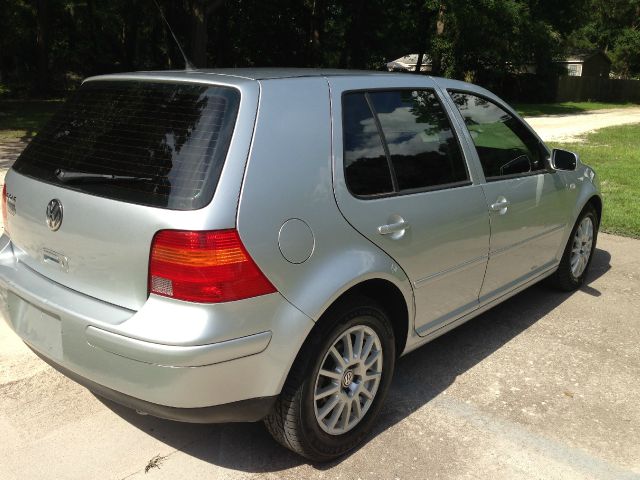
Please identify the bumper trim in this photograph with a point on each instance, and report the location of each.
(177, 356)
(249, 410)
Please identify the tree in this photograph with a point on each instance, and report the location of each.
(55, 43)
(613, 28)
(42, 42)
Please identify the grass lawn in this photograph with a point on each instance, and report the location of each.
(565, 108)
(23, 118)
(614, 153)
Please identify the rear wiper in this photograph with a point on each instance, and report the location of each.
(66, 176)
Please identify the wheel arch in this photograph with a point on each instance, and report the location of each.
(389, 297)
(596, 202)
(382, 291)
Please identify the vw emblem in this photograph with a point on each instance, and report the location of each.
(54, 214)
(348, 378)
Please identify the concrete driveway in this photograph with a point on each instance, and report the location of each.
(544, 386)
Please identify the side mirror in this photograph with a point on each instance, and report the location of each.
(563, 160)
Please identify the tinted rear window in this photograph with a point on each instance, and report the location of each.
(174, 137)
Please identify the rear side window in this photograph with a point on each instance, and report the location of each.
(399, 141)
(505, 146)
(167, 142)
(423, 148)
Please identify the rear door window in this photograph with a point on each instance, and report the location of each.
(399, 141)
(423, 149)
(164, 144)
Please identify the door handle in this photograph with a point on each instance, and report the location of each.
(391, 228)
(500, 205)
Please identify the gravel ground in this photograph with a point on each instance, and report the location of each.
(570, 128)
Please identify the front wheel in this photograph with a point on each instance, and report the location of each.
(338, 384)
(578, 253)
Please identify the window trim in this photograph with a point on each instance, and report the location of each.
(383, 140)
(517, 175)
(516, 117)
(397, 192)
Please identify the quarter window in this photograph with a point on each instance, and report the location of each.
(505, 146)
(397, 141)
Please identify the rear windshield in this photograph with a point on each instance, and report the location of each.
(168, 140)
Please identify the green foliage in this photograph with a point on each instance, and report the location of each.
(48, 46)
(21, 119)
(626, 53)
(613, 152)
(614, 27)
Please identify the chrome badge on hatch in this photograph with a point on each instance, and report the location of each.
(54, 214)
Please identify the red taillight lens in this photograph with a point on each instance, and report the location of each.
(207, 267)
(4, 208)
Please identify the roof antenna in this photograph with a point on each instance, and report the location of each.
(188, 66)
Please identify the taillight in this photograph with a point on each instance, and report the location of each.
(4, 208)
(207, 267)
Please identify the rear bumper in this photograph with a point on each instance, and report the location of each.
(171, 359)
(250, 410)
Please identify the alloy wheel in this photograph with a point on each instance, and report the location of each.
(581, 247)
(348, 380)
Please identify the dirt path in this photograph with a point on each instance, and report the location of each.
(570, 128)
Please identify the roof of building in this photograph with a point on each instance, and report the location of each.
(581, 57)
(409, 61)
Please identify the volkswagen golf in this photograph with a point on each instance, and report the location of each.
(263, 244)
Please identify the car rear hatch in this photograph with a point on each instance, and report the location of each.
(123, 159)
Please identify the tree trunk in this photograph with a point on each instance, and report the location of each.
(199, 33)
(42, 43)
(223, 55)
(353, 51)
(419, 62)
(316, 30)
(436, 59)
(200, 11)
(130, 40)
(421, 34)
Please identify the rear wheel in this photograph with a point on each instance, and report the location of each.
(338, 384)
(578, 253)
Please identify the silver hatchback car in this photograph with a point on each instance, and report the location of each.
(240, 245)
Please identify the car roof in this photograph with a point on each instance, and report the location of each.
(273, 73)
(243, 73)
(238, 76)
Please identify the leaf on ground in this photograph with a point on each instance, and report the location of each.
(155, 462)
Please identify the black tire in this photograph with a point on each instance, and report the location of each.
(563, 278)
(292, 421)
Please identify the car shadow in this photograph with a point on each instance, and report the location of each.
(419, 377)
